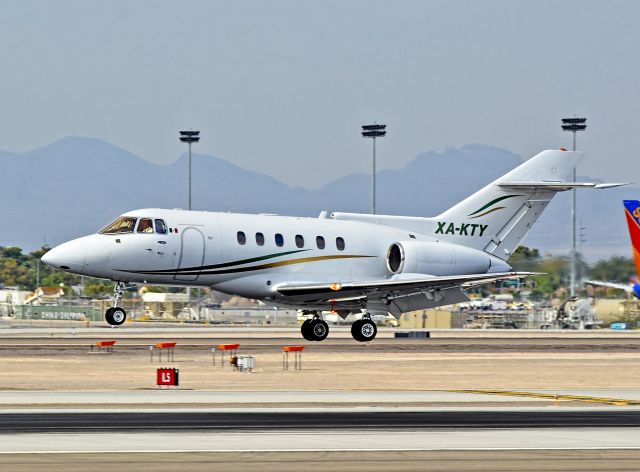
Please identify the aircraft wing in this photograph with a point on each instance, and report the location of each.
(398, 294)
(625, 287)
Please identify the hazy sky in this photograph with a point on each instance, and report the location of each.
(282, 87)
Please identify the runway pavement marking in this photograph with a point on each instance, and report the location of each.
(554, 396)
(326, 449)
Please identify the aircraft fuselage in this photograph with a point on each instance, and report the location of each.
(216, 249)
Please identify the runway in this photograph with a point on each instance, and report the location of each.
(43, 340)
(331, 461)
(198, 343)
(314, 440)
(301, 420)
(457, 401)
(567, 449)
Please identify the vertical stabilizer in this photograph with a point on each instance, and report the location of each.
(497, 218)
(632, 212)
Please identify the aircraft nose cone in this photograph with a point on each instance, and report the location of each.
(69, 256)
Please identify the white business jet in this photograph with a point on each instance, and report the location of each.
(345, 262)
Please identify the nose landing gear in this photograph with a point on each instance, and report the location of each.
(364, 330)
(116, 315)
(314, 329)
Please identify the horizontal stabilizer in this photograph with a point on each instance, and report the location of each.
(555, 186)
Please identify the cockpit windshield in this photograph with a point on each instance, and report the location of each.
(124, 224)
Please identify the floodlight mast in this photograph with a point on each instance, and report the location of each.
(373, 131)
(573, 125)
(189, 137)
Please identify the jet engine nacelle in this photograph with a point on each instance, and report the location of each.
(437, 258)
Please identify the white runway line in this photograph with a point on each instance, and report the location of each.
(194, 397)
(379, 440)
(167, 397)
(303, 409)
(195, 451)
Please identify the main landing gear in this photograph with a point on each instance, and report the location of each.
(116, 315)
(314, 329)
(364, 329)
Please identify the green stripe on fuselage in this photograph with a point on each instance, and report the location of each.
(216, 266)
(269, 265)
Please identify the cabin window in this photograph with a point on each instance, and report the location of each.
(299, 240)
(124, 224)
(242, 238)
(320, 242)
(340, 243)
(279, 240)
(260, 239)
(161, 228)
(145, 225)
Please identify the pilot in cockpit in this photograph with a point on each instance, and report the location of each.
(145, 226)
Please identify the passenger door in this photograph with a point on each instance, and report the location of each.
(191, 253)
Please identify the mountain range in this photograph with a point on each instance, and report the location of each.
(76, 185)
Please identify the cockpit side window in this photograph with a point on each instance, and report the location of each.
(161, 227)
(122, 225)
(145, 226)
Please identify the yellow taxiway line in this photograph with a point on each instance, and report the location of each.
(554, 396)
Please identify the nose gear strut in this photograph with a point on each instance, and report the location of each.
(116, 315)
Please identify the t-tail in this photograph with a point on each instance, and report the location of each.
(496, 218)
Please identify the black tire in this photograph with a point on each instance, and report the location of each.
(115, 316)
(364, 330)
(355, 330)
(305, 329)
(319, 329)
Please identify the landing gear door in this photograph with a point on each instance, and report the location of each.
(191, 253)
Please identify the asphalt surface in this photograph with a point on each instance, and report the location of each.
(371, 461)
(29, 346)
(307, 420)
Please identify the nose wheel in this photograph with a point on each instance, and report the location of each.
(116, 315)
(314, 329)
(364, 330)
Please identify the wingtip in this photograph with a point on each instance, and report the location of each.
(611, 185)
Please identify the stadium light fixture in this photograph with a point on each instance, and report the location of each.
(573, 125)
(189, 137)
(374, 131)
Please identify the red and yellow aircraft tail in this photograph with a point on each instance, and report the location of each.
(632, 211)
